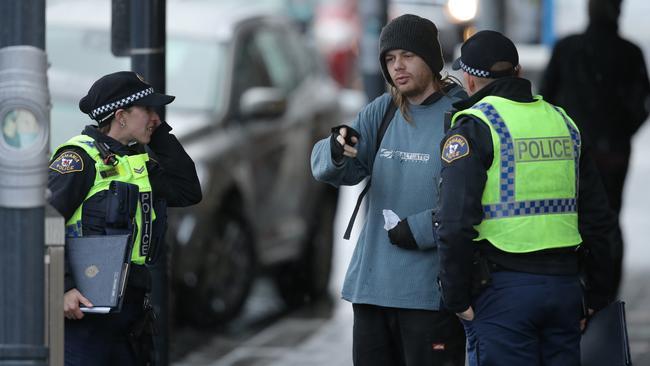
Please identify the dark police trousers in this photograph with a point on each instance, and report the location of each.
(526, 319)
(385, 336)
(102, 339)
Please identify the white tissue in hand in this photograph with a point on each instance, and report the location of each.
(390, 219)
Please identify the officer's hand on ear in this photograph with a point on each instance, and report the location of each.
(342, 143)
(402, 236)
(71, 300)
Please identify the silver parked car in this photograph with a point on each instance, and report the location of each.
(252, 98)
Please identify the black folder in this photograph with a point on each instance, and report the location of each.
(100, 267)
(605, 341)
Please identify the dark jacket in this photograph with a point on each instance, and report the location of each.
(171, 172)
(462, 184)
(600, 80)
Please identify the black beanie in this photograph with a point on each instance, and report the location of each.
(411, 33)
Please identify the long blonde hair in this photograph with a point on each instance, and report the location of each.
(439, 84)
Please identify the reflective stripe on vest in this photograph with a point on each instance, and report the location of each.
(508, 206)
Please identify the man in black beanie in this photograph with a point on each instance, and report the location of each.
(411, 34)
(391, 280)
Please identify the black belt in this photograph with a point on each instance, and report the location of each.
(563, 261)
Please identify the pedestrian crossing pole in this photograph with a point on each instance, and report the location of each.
(138, 31)
(148, 59)
(24, 146)
(375, 15)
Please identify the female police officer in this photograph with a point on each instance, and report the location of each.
(80, 174)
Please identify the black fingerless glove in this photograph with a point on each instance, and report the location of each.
(402, 236)
(336, 147)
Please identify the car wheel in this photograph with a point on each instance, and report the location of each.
(226, 273)
(307, 279)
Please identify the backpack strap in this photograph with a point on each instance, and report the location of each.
(388, 116)
(446, 121)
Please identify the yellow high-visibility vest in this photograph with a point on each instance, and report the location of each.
(531, 193)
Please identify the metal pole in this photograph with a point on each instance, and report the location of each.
(374, 15)
(54, 273)
(23, 23)
(148, 59)
(24, 144)
(492, 15)
(548, 23)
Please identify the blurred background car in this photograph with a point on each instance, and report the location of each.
(251, 99)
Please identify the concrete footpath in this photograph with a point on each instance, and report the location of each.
(304, 340)
(296, 341)
(636, 294)
(331, 344)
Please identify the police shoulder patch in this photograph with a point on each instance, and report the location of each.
(67, 162)
(455, 147)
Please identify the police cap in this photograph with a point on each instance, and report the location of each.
(484, 49)
(120, 89)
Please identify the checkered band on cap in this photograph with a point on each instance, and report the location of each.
(120, 103)
(472, 71)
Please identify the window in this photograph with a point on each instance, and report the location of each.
(276, 55)
(195, 73)
(265, 58)
(250, 70)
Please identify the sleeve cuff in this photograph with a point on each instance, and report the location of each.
(68, 283)
(421, 225)
(159, 133)
(595, 301)
(458, 306)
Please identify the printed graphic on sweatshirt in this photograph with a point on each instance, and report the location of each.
(404, 156)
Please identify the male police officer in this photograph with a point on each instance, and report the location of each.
(512, 209)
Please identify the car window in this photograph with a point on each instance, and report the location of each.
(195, 73)
(86, 54)
(301, 55)
(266, 58)
(78, 57)
(83, 52)
(277, 57)
(250, 70)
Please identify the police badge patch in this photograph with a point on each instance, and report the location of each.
(455, 148)
(68, 162)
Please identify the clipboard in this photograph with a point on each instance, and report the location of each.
(605, 341)
(100, 268)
